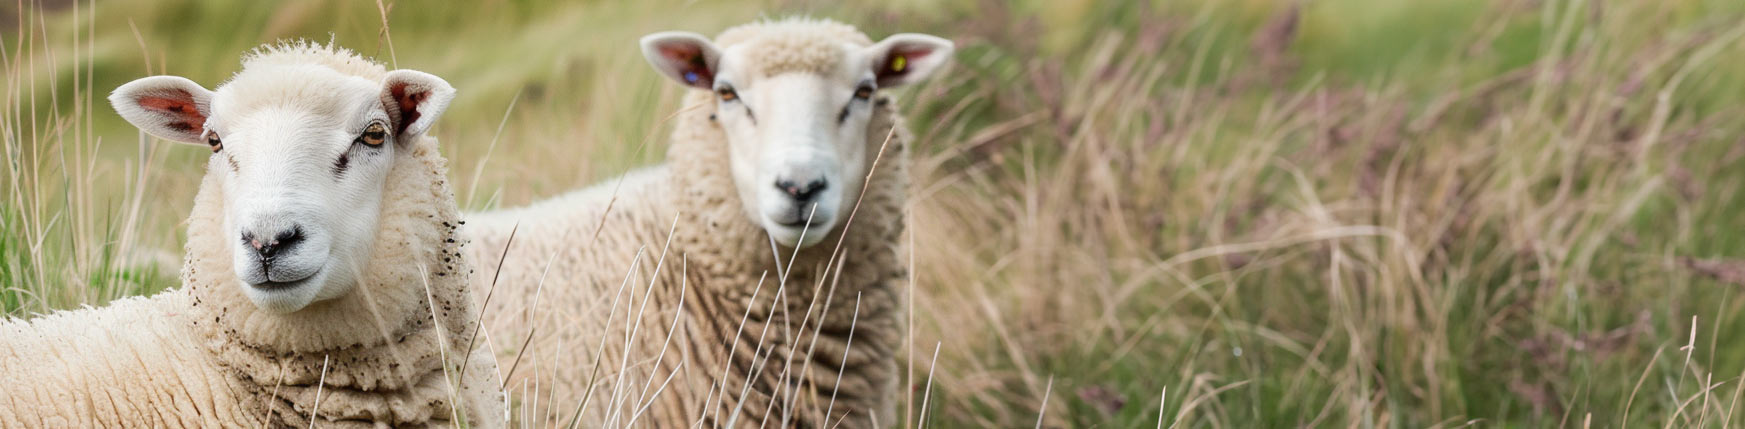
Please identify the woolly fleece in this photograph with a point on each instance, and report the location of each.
(586, 305)
(204, 356)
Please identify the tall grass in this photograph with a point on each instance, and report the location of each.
(71, 221)
(1219, 214)
(1272, 236)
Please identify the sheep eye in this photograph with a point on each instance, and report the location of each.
(727, 94)
(213, 141)
(863, 93)
(374, 135)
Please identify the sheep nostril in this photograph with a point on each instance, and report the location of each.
(787, 187)
(813, 188)
(802, 192)
(280, 241)
(288, 237)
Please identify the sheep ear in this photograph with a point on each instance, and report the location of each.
(170, 107)
(413, 100)
(685, 57)
(907, 58)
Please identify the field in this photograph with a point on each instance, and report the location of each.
(1247, 213)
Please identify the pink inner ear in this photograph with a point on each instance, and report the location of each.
(186, 116)
(913, 52)
(408, 104)
(679, 52)
(689, 61)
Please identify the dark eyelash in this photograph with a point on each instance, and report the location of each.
(865, 89)
(340, 165)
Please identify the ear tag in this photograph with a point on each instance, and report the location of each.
(898, 63)
(691, 75)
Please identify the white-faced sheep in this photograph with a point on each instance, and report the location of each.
(323, 283)
(772, 154)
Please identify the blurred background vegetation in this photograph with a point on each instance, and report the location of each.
(1238, 213)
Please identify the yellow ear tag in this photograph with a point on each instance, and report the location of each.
(897, 64)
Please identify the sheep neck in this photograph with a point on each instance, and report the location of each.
(381, 337)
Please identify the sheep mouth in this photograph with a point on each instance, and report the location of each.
(803, 223)
(282, 285)
(798, 218)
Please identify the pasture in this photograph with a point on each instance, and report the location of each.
(1253, 213)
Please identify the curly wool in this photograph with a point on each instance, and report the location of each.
(209, 357)
(795, 44)
(582, 245)
(304, 52)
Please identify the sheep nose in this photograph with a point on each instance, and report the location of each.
(279, 241)
(801, 192)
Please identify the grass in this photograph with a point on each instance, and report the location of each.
(1218, 214)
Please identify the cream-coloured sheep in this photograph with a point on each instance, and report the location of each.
(323, 283)
(770, 155)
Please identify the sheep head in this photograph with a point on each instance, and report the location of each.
(795, 100)
(303, 152)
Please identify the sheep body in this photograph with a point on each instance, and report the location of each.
(55, 373)
(790, 346)
(204, 356)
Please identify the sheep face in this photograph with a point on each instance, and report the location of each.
(302, 153)
(795, 108)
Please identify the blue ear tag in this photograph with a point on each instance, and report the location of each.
(691, 77)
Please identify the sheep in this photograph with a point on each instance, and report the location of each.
(322, 283)
(766, 170)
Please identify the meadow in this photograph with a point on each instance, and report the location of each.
(1245, 213)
